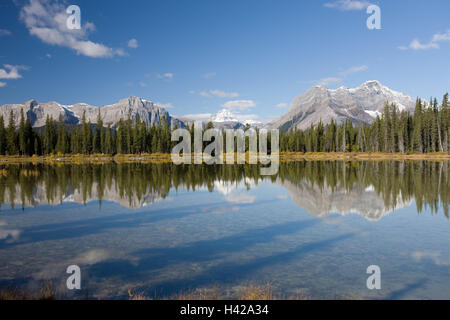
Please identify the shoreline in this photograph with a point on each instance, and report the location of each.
(284, 157)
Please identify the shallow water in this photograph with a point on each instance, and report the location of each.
(161, 229)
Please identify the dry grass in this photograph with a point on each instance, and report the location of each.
(199, 294)
(47, 291)
(166, 157)
(244, 292)
(253, 292)
(375, 156)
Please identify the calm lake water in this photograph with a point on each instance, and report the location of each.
(162, 229)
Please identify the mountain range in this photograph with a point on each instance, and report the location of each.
(148, 111)
(359, 105)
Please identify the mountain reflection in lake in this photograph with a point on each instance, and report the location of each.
(161, 229)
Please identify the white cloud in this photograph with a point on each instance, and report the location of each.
(209, 75)
(416, 45)
(348, 5)
(166, 76)
(46, 19)
(120, 52)
(352, 70)
(433, 44)
(240, 198)
(223, 94)
(224, 209)
(133, 43)
(192, 91)
(10, 235)
(434, 256)
(164, 105)
(219, 93)
(199, 116)
(10, 72)
(4, 32)
(342, 75)
(239, 104)
(142, 84)
(282, 105)
(438, 37)
(13, 72)
(244, 118)
(94, 256)
(326, 81)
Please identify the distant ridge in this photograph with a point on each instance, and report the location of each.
(224, 119)
(148, 111)
(359, 105)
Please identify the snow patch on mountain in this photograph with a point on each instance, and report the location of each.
(224, 115)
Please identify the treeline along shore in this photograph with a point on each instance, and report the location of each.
(393, 134)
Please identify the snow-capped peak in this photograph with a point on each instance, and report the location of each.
(224, 115)
(372, 83)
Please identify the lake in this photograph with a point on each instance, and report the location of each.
(161, 229)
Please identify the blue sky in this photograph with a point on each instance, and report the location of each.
(198, 57)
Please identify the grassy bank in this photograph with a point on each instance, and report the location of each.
(166, 158)
(243, 292)
(93, 158)
(376, 156)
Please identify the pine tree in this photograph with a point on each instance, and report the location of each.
(137, 139)
(165, 134)
(107, 148)
(30, 138)
(11, 137)
(120, 137)
(142, 136)
(74, 140)
(50, 135)
(2, 136)
(21, 134)
(445, 123)
(84, 135)
(418, 134)
(62, 141)
(128, 134)
(98, 144)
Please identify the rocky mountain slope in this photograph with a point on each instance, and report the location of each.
(148, 111)
(360, 105)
